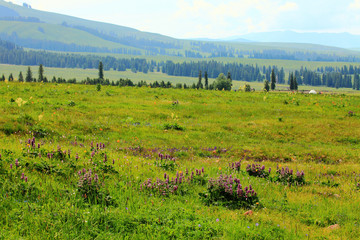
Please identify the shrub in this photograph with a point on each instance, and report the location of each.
(227, 191)
(257, 171)
(175, 126)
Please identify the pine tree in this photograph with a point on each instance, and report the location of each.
(206, 80)
(295, 84)
(200, 85)
(21, 78)
(11, 78)
(266, 85)
(292, 87)
(101, 70)
(41, 73)
(229, 76)
(273, 80)
(2, 78)
(28, 77)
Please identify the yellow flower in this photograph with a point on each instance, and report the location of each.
(220, 168)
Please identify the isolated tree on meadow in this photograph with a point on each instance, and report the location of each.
(41, 73)
(21, 78)
(101, 70)
(222, 82)
(206, 80)
(2, 78)
(266, 85)
(295, 84)
(291, 81)
(28, 77)
(273, 80)
(11, 78)
(200, 85)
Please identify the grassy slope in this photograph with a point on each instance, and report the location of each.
(57, 19)
(120, 31)
(315, 134)
(56, 33)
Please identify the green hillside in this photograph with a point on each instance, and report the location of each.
(51, 31)
(45, 31)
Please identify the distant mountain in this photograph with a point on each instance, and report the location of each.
(341, 40)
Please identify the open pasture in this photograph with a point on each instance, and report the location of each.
(77, 163)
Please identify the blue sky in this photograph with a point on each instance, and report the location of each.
(214, 18)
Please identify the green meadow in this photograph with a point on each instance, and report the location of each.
(81, 74)
(78, 163)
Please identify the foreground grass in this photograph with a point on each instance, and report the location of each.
(314, 133)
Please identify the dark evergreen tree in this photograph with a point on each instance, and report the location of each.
(21, 78)
(101, 70)
(2, 78)
(266, 85)
(295, 84)
(11, 78)
(29, 77)
(206, 81)
(200, 85)
(41, 73)
(229, 76)
(273, 80)
(292, 86)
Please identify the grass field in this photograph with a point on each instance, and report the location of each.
(81, 74)
(53, 134)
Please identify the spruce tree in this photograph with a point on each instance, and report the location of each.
(266, 85)
(200, 85)
(292, 87)
(21, 78)
(41, 73)
(2, 78)
(28, 77)
(206, 81)
(101, 70)
(273, 80)
(295, 84)
(11, 78)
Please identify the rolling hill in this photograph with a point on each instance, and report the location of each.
(36, 29)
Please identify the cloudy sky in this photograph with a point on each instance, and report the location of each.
(214, 18)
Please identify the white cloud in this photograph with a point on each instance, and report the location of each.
(231, 17)
(355, 5)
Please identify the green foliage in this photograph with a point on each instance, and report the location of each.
(174, 126)
(222, 83)
(227, 191)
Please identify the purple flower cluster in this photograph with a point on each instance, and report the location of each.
(286, 175)
(32, 143)
(235, 166)
(88, 184)
(257, 170)
(229, 190)
(171, 186)
(166, 156)
(23, 177)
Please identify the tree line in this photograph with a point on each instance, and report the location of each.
(324, 76)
